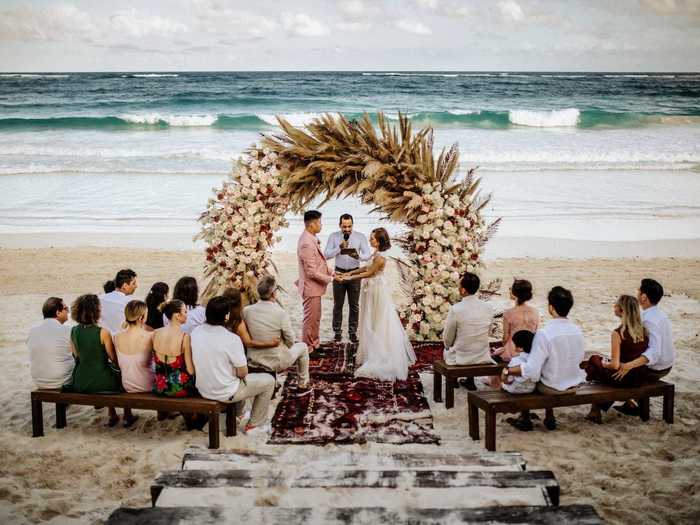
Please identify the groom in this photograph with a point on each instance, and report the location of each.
(314, 277)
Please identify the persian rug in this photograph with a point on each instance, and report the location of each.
(339, 408)
(427, 352)
(332, 358)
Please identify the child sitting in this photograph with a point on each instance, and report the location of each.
(522, 340)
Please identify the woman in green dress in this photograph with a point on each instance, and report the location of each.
(96, 371)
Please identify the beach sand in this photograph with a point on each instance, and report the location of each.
(632, 472)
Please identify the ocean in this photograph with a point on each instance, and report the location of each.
(589, 156)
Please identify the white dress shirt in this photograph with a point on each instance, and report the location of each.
(520, 384)
(466, 334)
(661, 352)
(196, 316)
(557, 351)
(112, 305)
(50, 359)
(356, 240)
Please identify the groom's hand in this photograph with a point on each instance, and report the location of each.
(343, 244)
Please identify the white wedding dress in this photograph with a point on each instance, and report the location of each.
(384, 350)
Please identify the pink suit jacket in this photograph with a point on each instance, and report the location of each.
(314, 275)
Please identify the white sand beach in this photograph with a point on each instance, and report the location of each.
(632, 472)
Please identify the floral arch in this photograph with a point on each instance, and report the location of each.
(388, 167)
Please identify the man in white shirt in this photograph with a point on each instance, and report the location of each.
(222, 370)
(348, 247)
(660, 355)
(266, 320)
(112, 304)
(466, 332)
(50, 359)
(557, 352)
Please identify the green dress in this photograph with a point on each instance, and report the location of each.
(93, 373)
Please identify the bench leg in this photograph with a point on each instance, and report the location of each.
(230, 420)
(37, 419)
(437, 387)
(490, 431)
(473, 421)
(213, 430)
(643, 408)
(449, 392)
(669, 396)
(61, 415)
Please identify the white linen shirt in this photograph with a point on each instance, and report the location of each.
(50, 359)
(660, 353)
(466, 334)
(357, 240)
(112, 307)
(557, 351)
(195, 317)
(215, 353)
(519, 385)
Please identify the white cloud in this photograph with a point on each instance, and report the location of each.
(357, 15)
(511, 11)
(412, 26)
(303, 25)
(354, 27)
(69, 23)
(448, 8)
(217, 17)
(673, 7)
(356, 8)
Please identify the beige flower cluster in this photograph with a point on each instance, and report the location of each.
(241, 221)
(444, 240)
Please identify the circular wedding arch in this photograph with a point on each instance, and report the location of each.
(382, 164)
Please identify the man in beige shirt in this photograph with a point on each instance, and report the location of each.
(267, 320)
(466, 333)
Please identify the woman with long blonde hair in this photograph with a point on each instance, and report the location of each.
(628, 342)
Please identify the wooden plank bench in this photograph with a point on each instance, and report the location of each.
(453, 372)
(243, 488)
(145, 401)
(215, 515)
(493, 402)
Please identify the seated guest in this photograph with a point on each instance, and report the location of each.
(112, 304)
(557, 352)
(95, 369)
(222, 368)
(154, 300)
(236, 324)
(50, 359)
(267, 320)
(466, 333)
(133, 347)
(657, 360)
(628, 342)
(521, 317)
(187, 291)
(172, 354)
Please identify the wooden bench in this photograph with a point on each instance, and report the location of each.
(188, 405)
(493, 402)
(452, 373)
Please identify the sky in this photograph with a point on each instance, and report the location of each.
(366, 35)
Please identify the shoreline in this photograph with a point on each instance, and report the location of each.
(500, 247)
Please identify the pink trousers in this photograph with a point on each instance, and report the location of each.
(312, 322)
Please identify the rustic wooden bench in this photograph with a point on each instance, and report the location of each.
(493, 402)
(188, 405)
(452, 373)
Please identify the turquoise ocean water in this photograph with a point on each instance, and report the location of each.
(574, 155)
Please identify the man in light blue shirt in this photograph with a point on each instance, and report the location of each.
(348, 247)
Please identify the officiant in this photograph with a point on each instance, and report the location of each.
(348, 248)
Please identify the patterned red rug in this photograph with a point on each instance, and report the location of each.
(427, 352)
(342, 409)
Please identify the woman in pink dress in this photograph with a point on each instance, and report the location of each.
(134, 346)
(521, 317)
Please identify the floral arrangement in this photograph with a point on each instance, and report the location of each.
(394, 170)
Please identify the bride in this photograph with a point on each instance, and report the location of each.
(384, 350)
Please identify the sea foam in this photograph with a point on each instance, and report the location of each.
(545, 119)
(153, 119)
